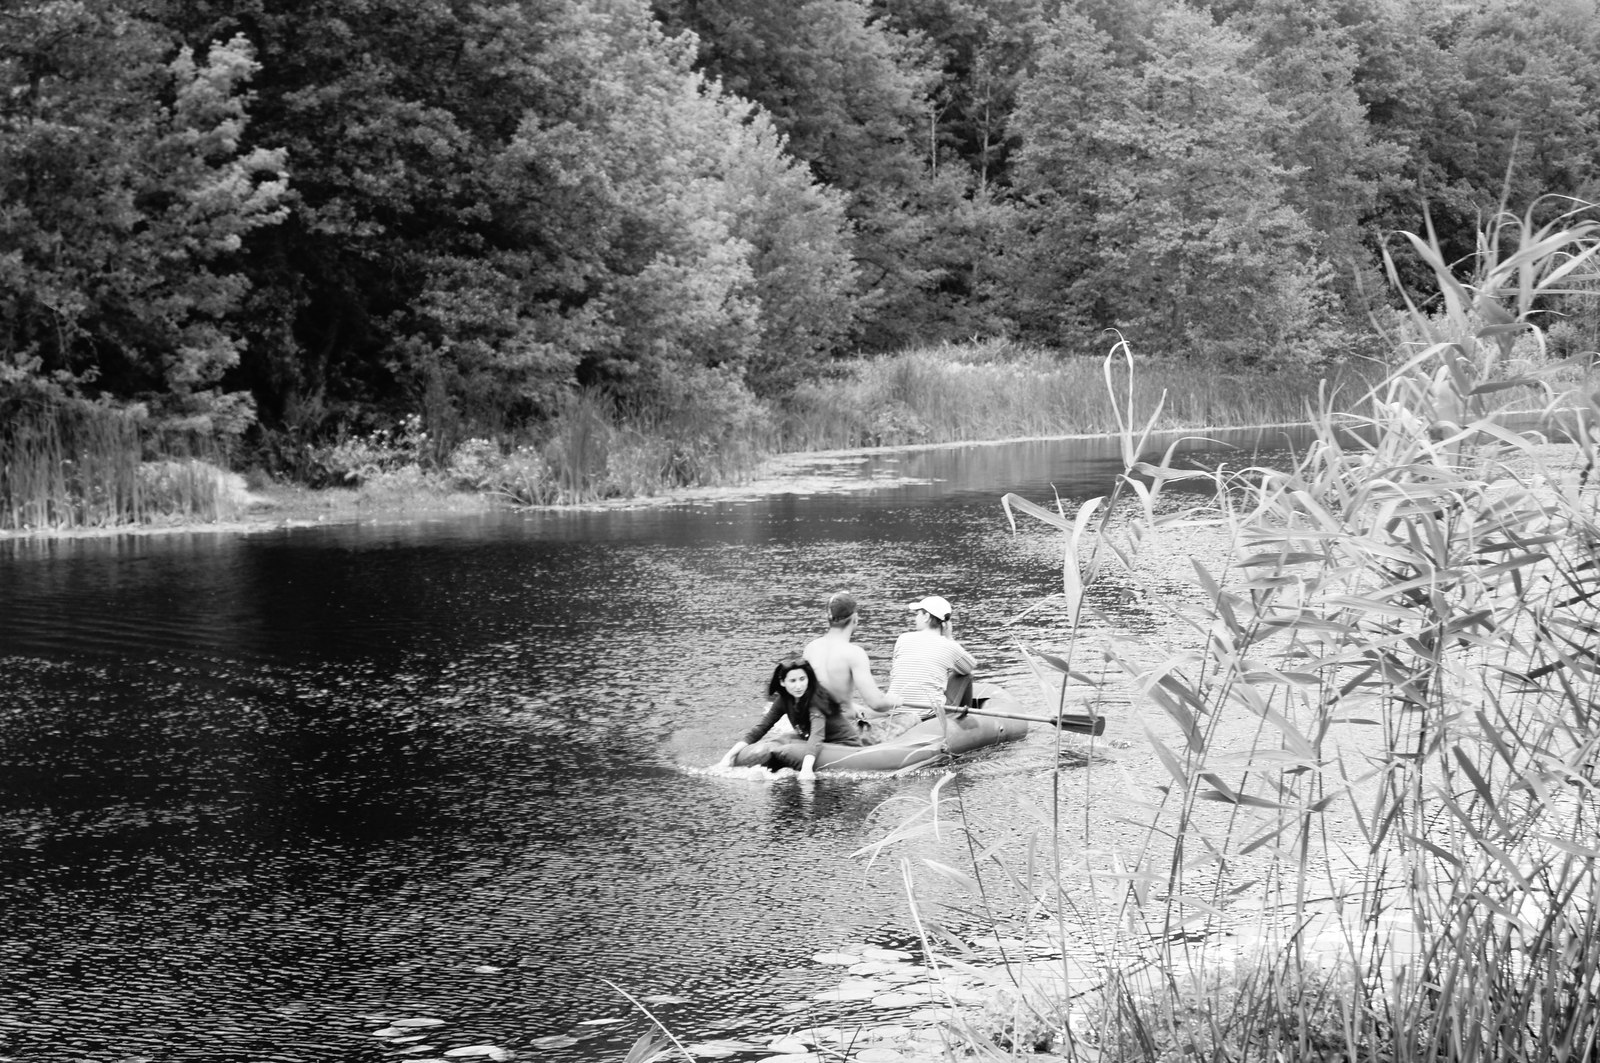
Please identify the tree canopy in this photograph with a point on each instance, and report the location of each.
(292, 219)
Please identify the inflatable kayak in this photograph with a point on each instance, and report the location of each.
(924, 743)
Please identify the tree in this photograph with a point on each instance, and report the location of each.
(851, 96)
(125, 193)
(982, 50)
(1058, 292)
(1528, 91)
(1171, 184)
(499, 201)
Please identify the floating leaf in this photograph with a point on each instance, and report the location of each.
(559, 1040)
(415, 1023)
(885, 955)
(600, 1022)
(789, 1043)
(878, 1055)
(720, 1049)
(494, 1052)
(664, 998)
(485, 968)
(836, 959)
(388, 1031)
(842, 993)
(896, 1032)
(899, 1000)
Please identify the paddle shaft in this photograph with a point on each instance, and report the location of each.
(1081, 724)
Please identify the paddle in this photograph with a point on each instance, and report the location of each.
(1075, 722)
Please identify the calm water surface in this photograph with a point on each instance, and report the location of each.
(261, 793)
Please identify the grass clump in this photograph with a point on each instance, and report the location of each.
(1374, 724)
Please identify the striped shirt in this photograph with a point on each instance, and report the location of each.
(923, 661)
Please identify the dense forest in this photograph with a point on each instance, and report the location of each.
(282, 223)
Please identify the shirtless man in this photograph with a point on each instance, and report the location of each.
(841, 666)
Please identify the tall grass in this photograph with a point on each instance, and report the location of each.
(594, 450)
(68, 463)
(995, 390)
(707, 432)
(1377, 728)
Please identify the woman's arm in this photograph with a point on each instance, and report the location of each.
(814, 737)
(756, 733)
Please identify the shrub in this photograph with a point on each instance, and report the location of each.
(357, 459)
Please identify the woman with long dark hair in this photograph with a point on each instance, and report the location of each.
(815, 716)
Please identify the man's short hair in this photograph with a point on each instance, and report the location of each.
(841, 607)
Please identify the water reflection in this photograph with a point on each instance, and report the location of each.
(261, 794)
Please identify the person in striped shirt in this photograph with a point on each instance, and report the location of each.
(927, 656)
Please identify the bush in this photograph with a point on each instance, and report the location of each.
(357, 459)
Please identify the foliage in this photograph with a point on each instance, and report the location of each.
(1182, 229)
(126, 191)
(496, 202)
(360, 458)
(1335, 167)
(982, 51)
(847, 91)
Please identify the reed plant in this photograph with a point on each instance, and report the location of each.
(1376, 725)
(69, 463)
(66, 464)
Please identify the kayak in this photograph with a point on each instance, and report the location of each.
(926, 742)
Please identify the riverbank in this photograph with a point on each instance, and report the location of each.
(276, 506)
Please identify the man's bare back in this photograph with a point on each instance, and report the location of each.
(841, 666)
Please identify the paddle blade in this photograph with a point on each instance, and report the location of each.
(1080, 724)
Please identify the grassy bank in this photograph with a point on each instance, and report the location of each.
(1360, 821)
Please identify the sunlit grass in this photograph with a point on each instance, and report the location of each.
(999, 390)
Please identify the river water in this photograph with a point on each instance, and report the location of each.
(262, 794)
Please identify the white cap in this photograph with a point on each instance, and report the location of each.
(935, 607)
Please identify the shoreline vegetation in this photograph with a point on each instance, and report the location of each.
(77, 470)
(1361, 823)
